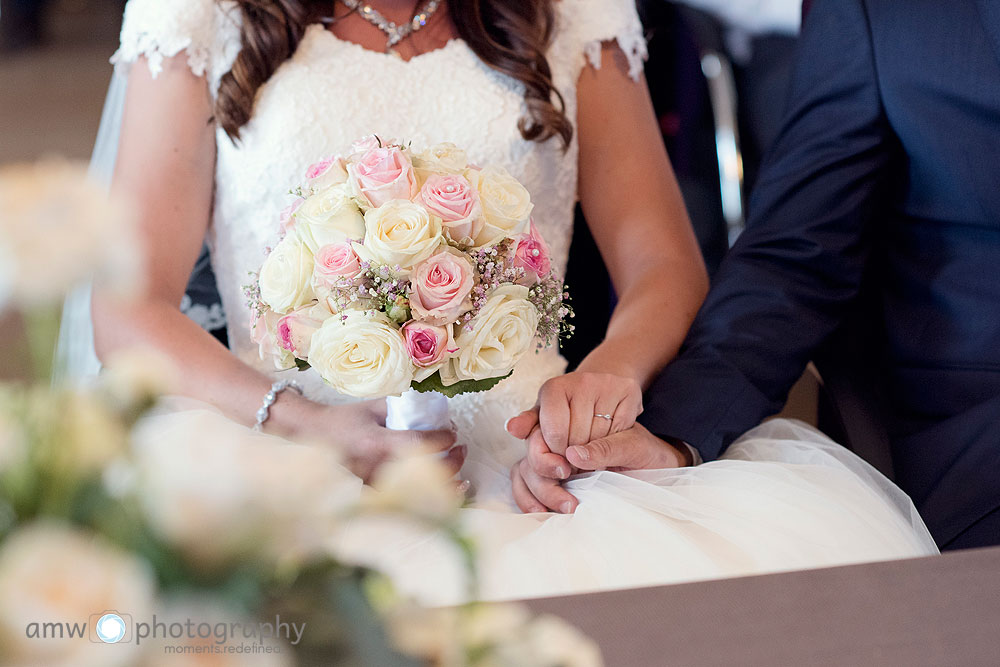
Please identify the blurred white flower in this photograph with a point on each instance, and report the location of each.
(57, 228)
(53, 573)
(429, 634)
(489, 635)
(548, 641)
(137, 375)
(418, 484)
(13, 442)
(90, 436)
(120, 478)
(219, 491)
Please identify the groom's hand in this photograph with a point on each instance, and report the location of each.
(581, 406)
(634, 449)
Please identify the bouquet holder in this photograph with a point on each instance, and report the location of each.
(417, 411)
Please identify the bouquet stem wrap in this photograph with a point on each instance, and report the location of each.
(417, 411)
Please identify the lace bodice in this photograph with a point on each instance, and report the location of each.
(332, 92)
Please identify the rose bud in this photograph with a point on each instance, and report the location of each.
(428, 345)
(532, 255)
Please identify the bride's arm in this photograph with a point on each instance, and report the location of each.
(635, 211)
(636, 214)
(165, 167)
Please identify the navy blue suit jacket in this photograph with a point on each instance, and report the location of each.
(885, 181)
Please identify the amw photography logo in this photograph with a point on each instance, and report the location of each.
(110, 627)
(183, 637)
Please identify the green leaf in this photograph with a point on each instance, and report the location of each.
(302, 365)
(433, 383)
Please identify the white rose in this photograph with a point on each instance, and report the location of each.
(286, 276)
(326, 174)
(444, 158)
(51, 572)
(363, 356)
(506, 204)
(502, 333)
(400, 233)
(332, 216)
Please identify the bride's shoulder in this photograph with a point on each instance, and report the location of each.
(583, 26)
(207, 30)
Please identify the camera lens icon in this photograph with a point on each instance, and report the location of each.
(111, 627)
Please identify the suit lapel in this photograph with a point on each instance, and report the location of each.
(990, 12)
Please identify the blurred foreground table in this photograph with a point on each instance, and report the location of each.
(943, 610)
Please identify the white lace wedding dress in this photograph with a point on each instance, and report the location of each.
(784, 497)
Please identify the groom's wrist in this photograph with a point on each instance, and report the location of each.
(692, 455)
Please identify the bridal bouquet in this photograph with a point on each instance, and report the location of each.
(399, 270)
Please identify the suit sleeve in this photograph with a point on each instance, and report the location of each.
(786, 284)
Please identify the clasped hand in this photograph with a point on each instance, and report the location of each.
(569, 432)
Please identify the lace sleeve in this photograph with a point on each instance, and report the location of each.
(584, 25)
(207, 30)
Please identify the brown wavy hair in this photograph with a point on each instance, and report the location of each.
(510, 36)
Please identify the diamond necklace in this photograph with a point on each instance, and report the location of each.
(394, 33)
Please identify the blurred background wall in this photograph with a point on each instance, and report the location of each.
(54, 73)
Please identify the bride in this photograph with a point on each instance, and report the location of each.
(227, 104)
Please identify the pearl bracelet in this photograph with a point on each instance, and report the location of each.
(270, 397)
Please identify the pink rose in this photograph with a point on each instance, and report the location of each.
(263, 332)
(440, 287)
(336, 263)
(288, 216)
(381, 175)
(428, 345)
(295, 330)
(369, 142)
(320, 168)
(453, 199)
(326, 173)
(532, 255)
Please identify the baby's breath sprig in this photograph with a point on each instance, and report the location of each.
(494, 269)
(252, 293)
(377, 288)
(552, 301)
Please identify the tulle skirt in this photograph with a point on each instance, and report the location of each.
(783, 497)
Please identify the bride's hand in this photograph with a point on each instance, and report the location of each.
(536, 481)
(581, 407)
(359, 431)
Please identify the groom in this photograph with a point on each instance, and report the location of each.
(884, 187)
